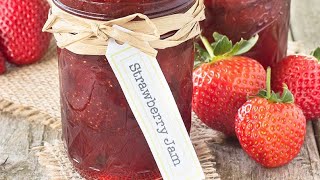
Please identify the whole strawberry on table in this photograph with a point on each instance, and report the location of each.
(270, 127)
(21, 38)
(302, 75)
(223, 79)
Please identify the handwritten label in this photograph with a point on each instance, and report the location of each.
(156, 111)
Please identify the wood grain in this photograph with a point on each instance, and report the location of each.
(316, 128)
(233, 163)
(18, 137)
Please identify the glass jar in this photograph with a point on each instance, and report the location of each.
(102, 136)
(244, 18)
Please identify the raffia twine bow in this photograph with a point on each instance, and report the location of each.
(89, 37)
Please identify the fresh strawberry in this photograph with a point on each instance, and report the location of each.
(2, 64)
(21, 22)
(302, 75)
(270, 128)
(223, 80)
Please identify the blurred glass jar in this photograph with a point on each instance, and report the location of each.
(102, 136)
(244, 18)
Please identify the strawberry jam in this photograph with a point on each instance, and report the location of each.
(101, 134)
(244, 18)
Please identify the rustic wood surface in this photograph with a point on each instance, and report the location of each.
(18, 137)
(233, 163)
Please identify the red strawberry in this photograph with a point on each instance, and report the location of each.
(21, 37)
(223, 82)
(270, 128)
(2, 64)
(302, 75)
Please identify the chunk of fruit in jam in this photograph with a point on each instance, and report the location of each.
(244, 18)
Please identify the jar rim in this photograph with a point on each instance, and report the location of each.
(153, 13)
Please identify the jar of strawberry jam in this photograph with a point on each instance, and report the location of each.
(244, 18)
(102, 136)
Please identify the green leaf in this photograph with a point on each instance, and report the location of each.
(217, 37)
(287, 96)
(243, 46)
(262, 93)
(274, 97)
(223, 46)
(214, 44)
(316, 53)
(201, 54)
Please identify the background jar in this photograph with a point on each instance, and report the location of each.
(101, 134)
(244, 18)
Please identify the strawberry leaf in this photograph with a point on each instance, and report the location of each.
(243, 46)
(287, 96)
(262, 93)
(223, 46)
(213, 45)
(217, 37)
(202, 55)
(274, 97)
(316, 53)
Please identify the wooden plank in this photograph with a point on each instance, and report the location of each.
(316, 127)
(233, 163)
(305, 22)
(18, 136)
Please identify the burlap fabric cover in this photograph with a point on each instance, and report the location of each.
(32, 92)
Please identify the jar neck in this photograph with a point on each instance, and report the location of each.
(101, 10)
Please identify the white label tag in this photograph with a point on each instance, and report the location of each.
(155, 109)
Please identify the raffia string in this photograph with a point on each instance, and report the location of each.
(89, 37)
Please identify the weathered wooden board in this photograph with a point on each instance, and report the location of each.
(316, 128)
(233, 163)
(17, 138)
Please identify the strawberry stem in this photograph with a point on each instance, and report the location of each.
(208, 46)
(269, 83)
(286, 97)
